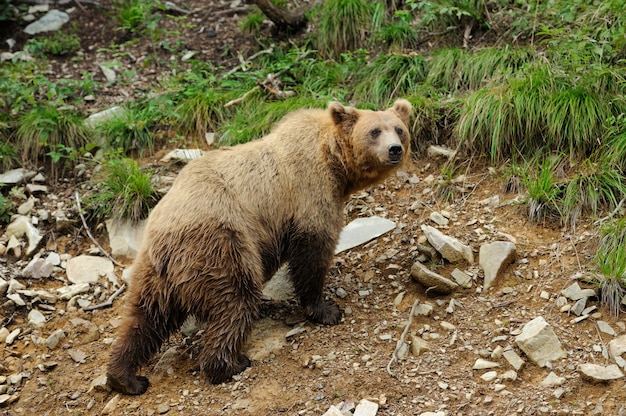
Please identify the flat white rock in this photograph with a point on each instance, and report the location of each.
(361, 231)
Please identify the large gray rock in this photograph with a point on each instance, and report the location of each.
(539, 342)
(88, 269)
(49, 22)
(493, 259)
(125, 237)
(361, 231)
(449, 247)
(432, 280)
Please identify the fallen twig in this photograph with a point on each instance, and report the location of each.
(250, 59)
(394, 356)
(109, 301)
(82, 217)
(612, 214)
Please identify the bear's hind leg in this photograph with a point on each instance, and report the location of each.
(141, 334)
(229, 317)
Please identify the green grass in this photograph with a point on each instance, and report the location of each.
(610, 260)
(251, 23)
(398, 36)
(388, 77)
(595, 186)
(544, 193)
(344, 24)
(122, 190)
(201, 113)
(254, 120)
(131, 130)
(58, 43)
(44, 130)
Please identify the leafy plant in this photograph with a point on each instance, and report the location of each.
(122, 190)
(6, 209)
(58, 43)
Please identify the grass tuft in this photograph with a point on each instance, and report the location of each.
(343, 25)
(611, 262)
(123, 191)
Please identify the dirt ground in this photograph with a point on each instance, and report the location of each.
(322, 366)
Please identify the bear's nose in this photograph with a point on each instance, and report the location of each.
(395, 153)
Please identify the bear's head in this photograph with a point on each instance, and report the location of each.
(370, 144)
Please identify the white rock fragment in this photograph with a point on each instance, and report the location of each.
(125, 237)
(418, 345)
(493, 259)
(539, 342)
(68, 292)
(513, 359)
(183, 155)
(595, 373)
(461, 278)
(88, 269)
(12, 336)
(450, 248)
(20, 227)
(482, 364)
(366, 408)
(489, 376)
(552, 380)
(617, 347)
(606, 328)
(438, 218)
(36, 318)
(431, 280)
(362, 230)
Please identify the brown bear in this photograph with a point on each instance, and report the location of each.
(234, 216)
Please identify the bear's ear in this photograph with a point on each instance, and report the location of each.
(403, 109)
(342, 116)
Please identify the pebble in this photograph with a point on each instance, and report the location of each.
(482, 364)
(12, 336)
(606, 328)
(163, 408)
(552, 380)
(489, 376)
(55, 338)
(36, 318)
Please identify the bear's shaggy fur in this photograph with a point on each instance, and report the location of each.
(234, 216)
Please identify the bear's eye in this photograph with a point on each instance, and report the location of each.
(400, 131)
(375, 133)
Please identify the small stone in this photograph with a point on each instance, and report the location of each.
(12, 336)
(579, 306)
(482, 364)
(552, 380)
(51, 21)
(418, 345)
(438, 219)
(606, 328)
(163, 408)
(493, 259)
(447, 326)
(461, 278)
(513, 359)
(489, 376)
(55, 338)
(4, 333)
(423, 309)
(450, 248)
(431, 280)
(510, 375)
(341, 293)
(99, 384)
(36, 318)
(111, 406)
(366, 408)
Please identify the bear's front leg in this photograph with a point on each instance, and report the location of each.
(309, 262)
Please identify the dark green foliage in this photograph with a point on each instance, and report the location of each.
(611, 263)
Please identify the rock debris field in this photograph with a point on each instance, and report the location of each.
(460, 308)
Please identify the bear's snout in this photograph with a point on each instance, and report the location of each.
(395, 153)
